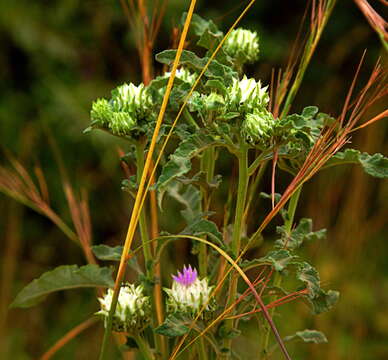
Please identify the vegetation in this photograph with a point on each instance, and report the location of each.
(216, 165)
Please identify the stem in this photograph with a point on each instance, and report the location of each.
(207, 166)
(243, 179)
(202, 353)
(147, 251)
(142, 219)
(140, 193)
(278, 278)
(143, 347)
(311, 45)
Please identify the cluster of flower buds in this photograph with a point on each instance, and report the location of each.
(242, 45)
(258, 126)
(132, 311)
(129, 105)
(189, 294)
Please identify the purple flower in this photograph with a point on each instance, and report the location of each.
(188, 277)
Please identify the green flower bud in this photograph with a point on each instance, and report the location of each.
(132, 311)
(121, 123)
(101, 112)
(247, 95)
(258, 127)
(242, 45)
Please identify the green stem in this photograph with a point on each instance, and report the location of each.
(143, 347)
(310, 47)
(202, 352)
(147, 251)
(189, 118)
(243, 180)
(142, 219)
(278, 278)
(207, 166)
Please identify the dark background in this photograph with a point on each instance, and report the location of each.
(58, 56)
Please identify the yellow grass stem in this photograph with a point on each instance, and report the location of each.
(139, 197)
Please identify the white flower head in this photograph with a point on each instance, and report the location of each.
(188, 293)
(132, 310)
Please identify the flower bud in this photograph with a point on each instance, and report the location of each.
(188, 294)
(242, 45)
(132, 311)
(258, 126)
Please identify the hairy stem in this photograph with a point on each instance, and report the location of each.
(243, 180)
(207, 166)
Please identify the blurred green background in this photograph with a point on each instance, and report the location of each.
(58, 56)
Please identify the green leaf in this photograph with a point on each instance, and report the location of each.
(303, 232)
(174, 325)
(308, 336)
(63, 278)
(279, 259)
(180, 161)
(215, 69)
(199, 25)
(190, 198)
(309, 112)
(109, 253)
(375, 165)
(320, 300)
(205, 227)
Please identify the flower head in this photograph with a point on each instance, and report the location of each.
(242, 45)
(132, 310)
(187, 277)
(188, 293)
(247, 95)
(128, 105)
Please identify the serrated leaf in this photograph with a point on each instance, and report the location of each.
(303, 232)
(375, 165)
(63, 278)
(279, 259)
(215, 69)
(180, 161)
(174, 325)
(308, 336)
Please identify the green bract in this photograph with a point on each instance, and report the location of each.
(242, 45)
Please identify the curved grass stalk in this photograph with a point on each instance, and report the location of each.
(138, 202)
